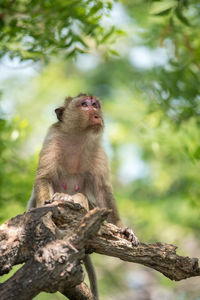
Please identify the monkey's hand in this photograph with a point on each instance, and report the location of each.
(58, 197)
(78, 200)
(130, 236)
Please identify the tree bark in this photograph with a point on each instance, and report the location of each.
(52, 241)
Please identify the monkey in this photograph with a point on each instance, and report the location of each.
(72, 160)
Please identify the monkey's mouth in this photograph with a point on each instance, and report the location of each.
(96, 127)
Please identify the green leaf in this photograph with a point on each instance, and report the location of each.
(120, 32)
(72, 53)
(164, 12)
(181, 17)
(107, 35)
(114, 52)
(77, 38)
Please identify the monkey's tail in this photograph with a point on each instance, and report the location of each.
(92, 276)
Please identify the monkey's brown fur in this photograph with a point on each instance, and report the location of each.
(72, 160)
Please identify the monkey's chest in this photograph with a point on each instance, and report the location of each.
(78, 163)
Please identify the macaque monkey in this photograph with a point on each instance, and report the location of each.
(72, 161)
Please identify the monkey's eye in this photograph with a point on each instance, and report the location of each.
(94, 104)
(84, 104)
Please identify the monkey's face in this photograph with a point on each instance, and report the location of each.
(81, 113)
(89, 111)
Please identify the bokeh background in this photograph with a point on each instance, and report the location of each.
(142, 58)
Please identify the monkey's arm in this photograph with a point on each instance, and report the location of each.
(114, 217)
(43, 186)
(43, 191)
(110, 203)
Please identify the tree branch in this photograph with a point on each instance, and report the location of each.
(159, 256)
(52, 241)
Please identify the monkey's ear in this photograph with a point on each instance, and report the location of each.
(59, 112)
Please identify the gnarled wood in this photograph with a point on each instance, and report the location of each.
(52, 241)
(159, 256)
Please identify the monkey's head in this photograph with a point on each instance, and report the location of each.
(81, 113)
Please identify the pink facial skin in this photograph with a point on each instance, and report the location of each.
(89, 103)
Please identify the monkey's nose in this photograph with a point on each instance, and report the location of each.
(96, 119)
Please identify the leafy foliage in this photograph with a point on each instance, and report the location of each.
(37, 29)
(174, 26)
(16, 172)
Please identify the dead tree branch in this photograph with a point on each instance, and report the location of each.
(52, 240)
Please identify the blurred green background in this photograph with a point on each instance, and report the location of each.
(142, 58)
